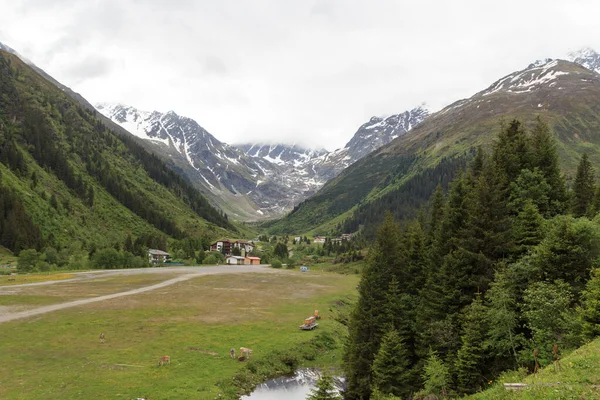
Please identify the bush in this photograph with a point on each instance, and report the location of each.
(28, 260)
(108, 258)
(275, 263)
(209, 260)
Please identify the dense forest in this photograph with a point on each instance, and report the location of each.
(500, 266)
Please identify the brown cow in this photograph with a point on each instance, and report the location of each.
(164, 360)
(245, 351)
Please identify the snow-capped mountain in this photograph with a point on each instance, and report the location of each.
(252, 181)
(247, 187)
(281, 154)
(586, 57)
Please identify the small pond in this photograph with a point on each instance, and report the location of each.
(296, 387)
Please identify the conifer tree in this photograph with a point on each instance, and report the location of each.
(469, 364)
(583, 187)
(512, 152)
(324, 390)
(390, 366)
(545, 157)
(369, 319)
(527, 228)
(436, 376)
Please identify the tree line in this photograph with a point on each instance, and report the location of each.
(502, 264)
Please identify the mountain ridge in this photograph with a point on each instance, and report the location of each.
(564, 94)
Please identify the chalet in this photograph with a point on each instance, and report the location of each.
(235, 260)
(319, 239)
(297, 239)
(157, 256)
(222, 246)
(346, 236)
(252, 260)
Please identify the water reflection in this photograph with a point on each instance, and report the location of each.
(296, 387)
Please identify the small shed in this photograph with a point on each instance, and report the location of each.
(304, 268)
(235, 260)
(157, 256)
(252, 260)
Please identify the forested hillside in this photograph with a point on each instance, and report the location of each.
(68, 181)
(503, 264)
(402, 175)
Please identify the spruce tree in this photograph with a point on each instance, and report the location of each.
(545, 157)
(324, 390)
(436, 376)
(583, 187)
(369, 319)
(469, 365)
(390, 367)
(527, 228)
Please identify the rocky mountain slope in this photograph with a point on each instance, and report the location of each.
(252, 181)
(402, 175)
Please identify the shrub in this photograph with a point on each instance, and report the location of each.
(275, 263)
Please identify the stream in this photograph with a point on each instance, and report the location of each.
(296, 387)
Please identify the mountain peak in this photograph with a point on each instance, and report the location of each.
(586, 57)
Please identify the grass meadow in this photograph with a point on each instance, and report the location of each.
(59, 356)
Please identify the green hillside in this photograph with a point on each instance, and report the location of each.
(577, 376)
(402, 175)
(67, 180)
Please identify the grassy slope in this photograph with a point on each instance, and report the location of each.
(107, 221)
(572, 111)
(577, 378)
(213, 314)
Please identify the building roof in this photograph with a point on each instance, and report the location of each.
(236, 257)
(253, 258)
(155, 252)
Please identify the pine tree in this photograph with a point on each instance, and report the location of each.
(527, 228)
(436, 376)
(369, 319)
(128, 244)
(583, 187)
(512, 152)
(390, 367)
(469, 364)
(324, 390)
(545, 157)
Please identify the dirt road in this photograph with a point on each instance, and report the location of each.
(186, 274)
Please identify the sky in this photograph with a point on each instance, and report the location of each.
(308, 72)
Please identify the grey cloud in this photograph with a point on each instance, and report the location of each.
(90, 67)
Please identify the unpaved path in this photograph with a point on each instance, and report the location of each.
(187, 273)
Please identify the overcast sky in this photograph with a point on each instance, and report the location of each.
(304, 71)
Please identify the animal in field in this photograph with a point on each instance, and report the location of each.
(245, 352)
(241, 358)
(164, 360)
(232, 353)
(102, 337)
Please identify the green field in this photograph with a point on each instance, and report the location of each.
(58, 355)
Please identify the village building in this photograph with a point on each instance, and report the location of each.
(319, 239)
(252, 260)
(222, 246)
(235, 260)
(297, 239)
(158, 256)
(245, 247)
(226, 246)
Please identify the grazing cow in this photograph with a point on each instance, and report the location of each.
(164, 360)
(242, 358)
(246, 352)
(232, 353)
(102, 337)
